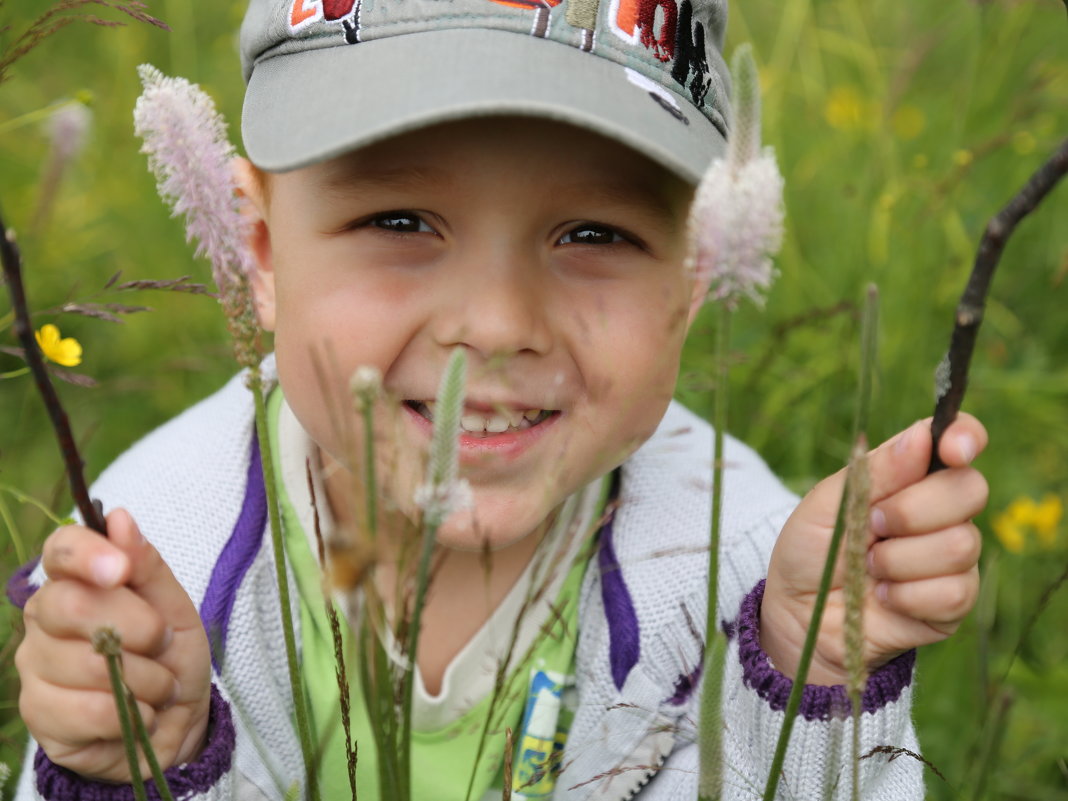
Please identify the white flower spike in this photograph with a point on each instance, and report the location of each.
(736, 221)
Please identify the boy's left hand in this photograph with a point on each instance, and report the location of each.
(923, 555)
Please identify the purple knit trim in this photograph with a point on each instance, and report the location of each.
(624, 645)
(817, 702)
(56, 783)
(19, 589)
(236, 558)
(686, 684)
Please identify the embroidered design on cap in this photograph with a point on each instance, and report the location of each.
(303, 13)
(664, 28)
(542, 9)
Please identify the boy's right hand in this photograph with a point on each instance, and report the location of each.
(66, 701)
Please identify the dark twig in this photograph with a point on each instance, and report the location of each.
(12, 264)
(952, 374)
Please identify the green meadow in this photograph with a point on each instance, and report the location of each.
(901, 129)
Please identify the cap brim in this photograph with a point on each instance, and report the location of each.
(305, 107)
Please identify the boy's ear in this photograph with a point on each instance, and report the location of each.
(698, 296)
(250, 187)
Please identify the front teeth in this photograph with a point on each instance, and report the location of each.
(494, 423)
(499, 422)
(477, 423)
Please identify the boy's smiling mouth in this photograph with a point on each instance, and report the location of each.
(490, 421)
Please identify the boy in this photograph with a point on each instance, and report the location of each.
(511, 178)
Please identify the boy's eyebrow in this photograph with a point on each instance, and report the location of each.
(349, 177)
(655, 202)
(652, 201)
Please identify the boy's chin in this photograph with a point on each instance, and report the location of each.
(462, 531)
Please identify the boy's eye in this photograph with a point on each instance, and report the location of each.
(401, 222)
(591, 234)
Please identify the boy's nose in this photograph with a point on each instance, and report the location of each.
(496, 310)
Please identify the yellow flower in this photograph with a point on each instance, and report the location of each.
(1047, 516)
(1009, 532)
(908, 122)
(67, 352)
(1023, 515)
(846, 110)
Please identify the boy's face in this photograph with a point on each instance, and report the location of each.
(552, 255)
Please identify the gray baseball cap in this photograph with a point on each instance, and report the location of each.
(328, 76)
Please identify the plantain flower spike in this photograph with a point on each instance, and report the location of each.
(444, 492)
(189, 153)
(736, 220)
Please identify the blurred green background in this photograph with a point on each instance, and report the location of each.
(901, 129)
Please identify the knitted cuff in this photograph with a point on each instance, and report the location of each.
(18, 588)
(56, 783)
(817, 702)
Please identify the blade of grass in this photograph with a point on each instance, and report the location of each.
(296, 683)
(106, 643)
(146, 744)
(867, 363)
(442, 478)
(340, 673)
(714, 660)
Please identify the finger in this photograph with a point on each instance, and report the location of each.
(903, 460)
(76, 552)
(149, 575)
(962, 441)
(71, 610)
(926, 556)
(935, 502)
(941, 602)
(73, 717)
(74, 665)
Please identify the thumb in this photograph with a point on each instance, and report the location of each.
(894, 465)
(900, 461)
(149, 576)
(905, 459)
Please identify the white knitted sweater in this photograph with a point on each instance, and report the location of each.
(634, 729)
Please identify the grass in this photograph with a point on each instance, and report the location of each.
(900, 128)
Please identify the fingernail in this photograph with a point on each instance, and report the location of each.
(871, 561)
(106, 570)
(968, 448)
(878, 522)
(882, 591)
(168, 637)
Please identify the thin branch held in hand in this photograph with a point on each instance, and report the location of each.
(12, 265)
(952, 374)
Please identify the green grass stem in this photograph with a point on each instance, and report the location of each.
(296, 683)
(711, 724)
(867, 365)
(340, 671)
(441, 473)
(146, 745)
(13, 531)
(106, 643)
(371, 479)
